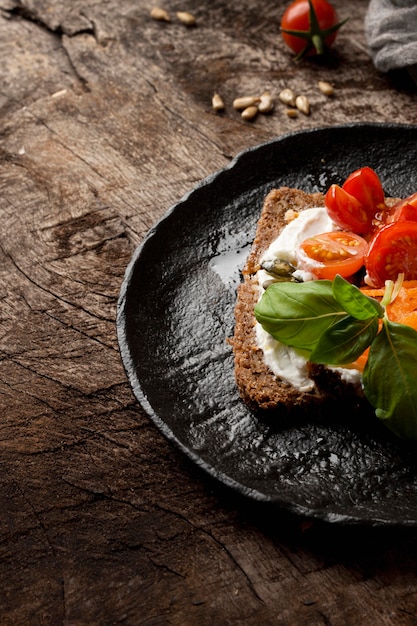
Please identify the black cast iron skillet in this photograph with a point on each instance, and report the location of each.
(176, 310)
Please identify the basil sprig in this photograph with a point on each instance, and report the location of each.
(335, 322)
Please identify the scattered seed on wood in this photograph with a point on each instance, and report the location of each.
(291, 112)
(325, 88)
(250, 112)
(246, 101)
(302, 104)
(266, 103)
(59, 93)
(160, 15)
(186, 18)
(287, 96)
(217, 102)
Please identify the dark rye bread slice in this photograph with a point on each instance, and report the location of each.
(257, 384)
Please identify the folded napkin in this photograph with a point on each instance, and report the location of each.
(391, 34)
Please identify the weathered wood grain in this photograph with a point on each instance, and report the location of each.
(105, 121)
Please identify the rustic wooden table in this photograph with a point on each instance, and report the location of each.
(106, 120)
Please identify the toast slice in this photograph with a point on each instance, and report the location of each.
(259, 387)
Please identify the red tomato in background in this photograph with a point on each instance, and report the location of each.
(337, 252)
(359, 203)
(392, 251)
(314, 31)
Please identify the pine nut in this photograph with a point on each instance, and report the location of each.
(325, 88)
(291, 112)
(287, 96)
(266, 103)
(217, 102)
(186, 18)
(302, 104)
(243, 103)
(160, 15)
(249, 113)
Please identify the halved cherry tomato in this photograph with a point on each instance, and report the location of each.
(358, 203)
(366, 186)
(309, 27)
(404, 210)
(335, 252)
(392, 251)
(346, 211)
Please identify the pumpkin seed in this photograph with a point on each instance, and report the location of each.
(280, 270)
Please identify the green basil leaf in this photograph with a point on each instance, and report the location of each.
(296, 314)
(355, 302)
(389, 378)
(345, 341)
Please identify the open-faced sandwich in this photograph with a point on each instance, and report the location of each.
(327, 310)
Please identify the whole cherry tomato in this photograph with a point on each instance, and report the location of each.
(308, 27)
(335, 252)
(359, 203)
(392, 251)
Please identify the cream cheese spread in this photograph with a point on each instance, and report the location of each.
(286, 362)
(309, 222)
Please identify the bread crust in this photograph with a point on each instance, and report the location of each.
(259, 387)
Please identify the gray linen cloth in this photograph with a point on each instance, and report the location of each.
(391, 34)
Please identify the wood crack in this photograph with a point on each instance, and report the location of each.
(36, 516)
(52, 294)
(222, 546)
(20, 11)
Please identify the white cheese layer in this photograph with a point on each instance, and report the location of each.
(286, 362)
(309, 222)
